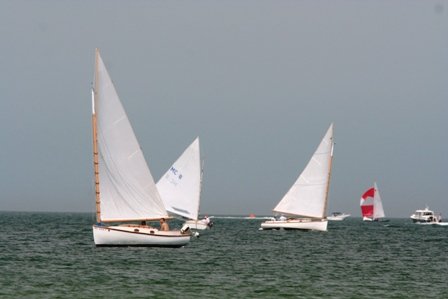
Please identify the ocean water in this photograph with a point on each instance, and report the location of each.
(52, 255)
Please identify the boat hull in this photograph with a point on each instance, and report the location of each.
(338, 218)
(137, 236)
(302, 224)
(196, 224)
(424, 221)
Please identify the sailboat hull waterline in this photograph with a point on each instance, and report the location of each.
(302, 224)
(137, 236)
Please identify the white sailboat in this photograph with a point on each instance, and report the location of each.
(371, 205)
(306, 201)
(180, 187)
(125, 189)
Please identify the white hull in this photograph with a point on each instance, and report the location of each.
(433, 223)
(196, 224)
(338, 218)
(137, 236)
(304, 224)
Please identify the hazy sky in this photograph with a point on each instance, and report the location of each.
(258, 81)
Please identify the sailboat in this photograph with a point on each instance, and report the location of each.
(180, 187)
(125, 189)
(306, 201)
(371, 205)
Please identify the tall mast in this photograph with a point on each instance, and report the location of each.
(200, 186)
(95, 141)
(328, 181)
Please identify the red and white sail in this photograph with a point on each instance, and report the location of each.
(371, 205)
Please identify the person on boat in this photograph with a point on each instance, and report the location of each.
(143, 223)
(282, 218)
(207, 221)
(164, 225)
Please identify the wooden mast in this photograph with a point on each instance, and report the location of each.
(95, 141)
(324, 216)
(200, 185)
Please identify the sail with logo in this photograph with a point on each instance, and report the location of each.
(180, 187)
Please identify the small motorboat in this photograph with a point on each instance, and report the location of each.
(337, 216)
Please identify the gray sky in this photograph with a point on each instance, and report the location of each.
(258, 81)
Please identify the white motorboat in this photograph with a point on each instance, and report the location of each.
(305, 203)
(338, 216)
(426, 216)
(125, 191)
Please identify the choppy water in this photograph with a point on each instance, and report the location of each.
(51, 255)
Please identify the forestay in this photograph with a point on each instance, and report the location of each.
(127, 188)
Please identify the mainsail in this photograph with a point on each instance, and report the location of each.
(126, 187)
(180, 186)
(308, 196)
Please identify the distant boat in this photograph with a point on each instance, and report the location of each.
(180, 187)
(125, 190)
(371, 205)
(338, 216)
(306, 201)
(426, 216)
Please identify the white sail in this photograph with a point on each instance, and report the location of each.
(180, 186)
(127, 188)
(378, 211)
(308, 196)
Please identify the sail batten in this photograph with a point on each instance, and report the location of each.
(126, 185)
(308, 195)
